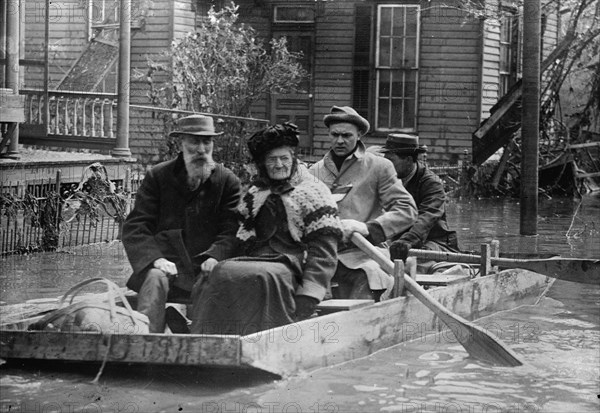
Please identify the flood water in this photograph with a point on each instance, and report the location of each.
(559, 340)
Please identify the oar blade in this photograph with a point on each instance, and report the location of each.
(479, 343)
(586, 271)
(482, 345)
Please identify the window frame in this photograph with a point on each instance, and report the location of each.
(508, 78)
(379, 69)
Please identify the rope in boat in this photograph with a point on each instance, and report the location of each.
(108, 345)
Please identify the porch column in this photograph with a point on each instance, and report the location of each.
(12, 65)
(122, 146)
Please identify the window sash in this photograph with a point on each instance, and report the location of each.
(396, 67)
(509, 49)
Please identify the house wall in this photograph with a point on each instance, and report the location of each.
(448, 76)
(450, 67)
(458, 70)
(67, 39)
(491, 55)
(334, 50)
(490, 72)
(166, 20)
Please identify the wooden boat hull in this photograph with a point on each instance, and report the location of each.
(318, 342)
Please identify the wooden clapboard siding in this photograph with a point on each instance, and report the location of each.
(334, 38)
(67, 39)
(449, 75)
(184, 18)
(490, 77)
(145, 128)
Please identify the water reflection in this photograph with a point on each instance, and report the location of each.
(567, 227)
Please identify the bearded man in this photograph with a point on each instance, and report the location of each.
(183, 222)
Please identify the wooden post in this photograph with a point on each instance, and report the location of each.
(411, 267)
(463, 173)
(46, 112)
(495, 252)
(486, 260)
(59, 205)
(122, 145)
(2, 41)
(13, 43)
(530, 118)
(127, 190)
(398, 289)
(502, 164)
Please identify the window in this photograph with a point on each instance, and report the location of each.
(396, 64)
(509, 43)
(293, 14)
(385, 88)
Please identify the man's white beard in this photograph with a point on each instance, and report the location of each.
(198, 173)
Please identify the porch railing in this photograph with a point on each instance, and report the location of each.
(75, 114)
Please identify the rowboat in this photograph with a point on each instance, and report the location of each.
(344, 330)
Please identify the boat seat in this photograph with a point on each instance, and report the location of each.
(335, 305)
(324, 307)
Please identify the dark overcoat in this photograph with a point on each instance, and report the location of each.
(428, 192)
(186, 227)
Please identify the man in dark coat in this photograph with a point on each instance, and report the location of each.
(431, 230)
(183, 222)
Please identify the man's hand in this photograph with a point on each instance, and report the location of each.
(207, 266)
(165, 266)
(349, 226)
(399, 250)
(305, 307)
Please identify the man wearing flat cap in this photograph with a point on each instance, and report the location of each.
(431, 230)
(183, 222)
(371, 201)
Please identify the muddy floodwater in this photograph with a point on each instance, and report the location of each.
(558, 338)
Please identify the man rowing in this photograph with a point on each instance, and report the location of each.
(430, 231)
(371, 201)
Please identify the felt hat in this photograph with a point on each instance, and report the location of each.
(403, 143)
(272, 137)
(198, 125)
(340, 114)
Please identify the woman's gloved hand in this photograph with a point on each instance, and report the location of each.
(305, 307)
(399, 250)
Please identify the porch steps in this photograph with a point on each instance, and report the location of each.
(102, 52)
(497, 130)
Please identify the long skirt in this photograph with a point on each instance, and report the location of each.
(243, 296)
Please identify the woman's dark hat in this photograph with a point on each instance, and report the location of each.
(341, 114)
(272, 137)
(198, 125)
(403, 143)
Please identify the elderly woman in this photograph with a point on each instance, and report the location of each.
(288, 235)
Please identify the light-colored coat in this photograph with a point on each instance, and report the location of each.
(376, 194)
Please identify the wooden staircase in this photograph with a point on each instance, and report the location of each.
(496, 131)
(102, 52)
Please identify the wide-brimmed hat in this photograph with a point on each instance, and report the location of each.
(272, 137)
(403, 143)
(346, 114)
(198, 125)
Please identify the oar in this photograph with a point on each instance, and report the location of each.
(479, 343)
(579, 270)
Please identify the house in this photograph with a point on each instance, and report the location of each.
(425, 67)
